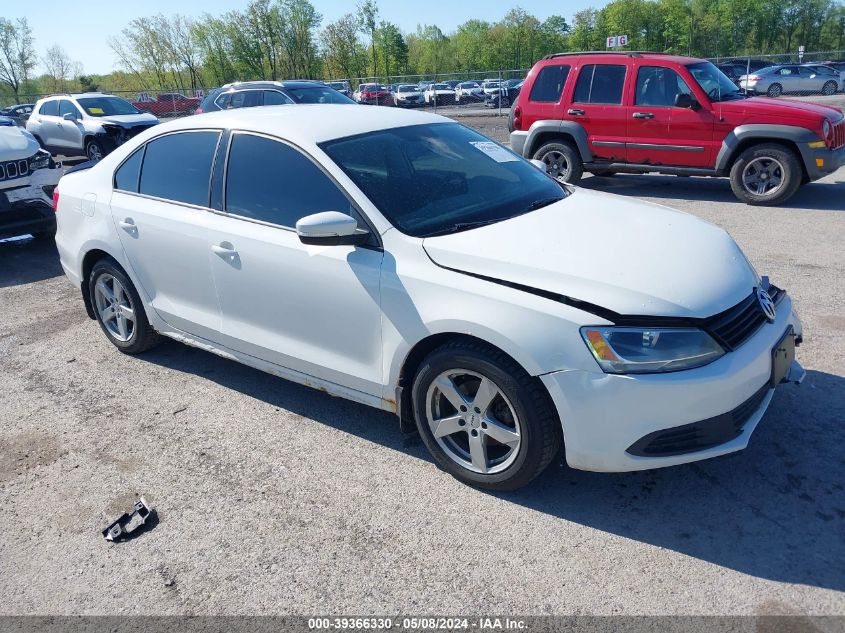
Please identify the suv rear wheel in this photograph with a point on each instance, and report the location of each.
(766, 174)
(563, 162)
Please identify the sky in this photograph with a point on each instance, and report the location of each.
(83, 30)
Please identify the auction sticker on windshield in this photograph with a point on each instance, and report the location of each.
(494, 151)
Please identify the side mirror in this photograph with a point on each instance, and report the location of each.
(69, 116)
(683, 100)
(538, 164)
(330, 228)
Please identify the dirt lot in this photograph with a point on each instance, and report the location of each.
(277, 499)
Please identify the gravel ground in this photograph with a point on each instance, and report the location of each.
(276, 499)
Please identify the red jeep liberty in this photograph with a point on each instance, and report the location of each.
(651, 112)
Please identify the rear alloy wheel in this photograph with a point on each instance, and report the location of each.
(484, 420)
(119, 310)
(766, 174)
(562, 160)
(775, 90)
(829, 88)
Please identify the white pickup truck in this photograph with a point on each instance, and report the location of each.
(28, 176)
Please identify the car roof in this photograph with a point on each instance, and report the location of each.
(292, 83)
(678, 59)
(306, 124)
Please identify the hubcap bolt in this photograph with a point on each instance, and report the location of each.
(474, 433)
(463, 408)
(477, 410)
(483, 425)
(461, 422)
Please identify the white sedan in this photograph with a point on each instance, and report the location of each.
(441, 93)
(404, 261)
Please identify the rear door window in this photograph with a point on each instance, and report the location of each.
(274, 97)
(50, 108)
(549, 84)
(600, 83)
(177, 167)
(245, 99)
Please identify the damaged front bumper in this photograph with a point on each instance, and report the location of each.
(29, 208)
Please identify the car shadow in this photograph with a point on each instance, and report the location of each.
(25, 260)
(818, 196)
(774, 511)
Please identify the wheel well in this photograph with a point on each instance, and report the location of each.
(751, 142)
(88, 262)
(415, 358)
(546, 137)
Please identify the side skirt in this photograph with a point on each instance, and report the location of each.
(632, 168)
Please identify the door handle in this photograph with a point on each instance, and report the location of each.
(128, 224)
(575, 112)
(643, 115)
(224, 249)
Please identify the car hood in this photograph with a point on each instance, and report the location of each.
(630, 257)
(16, 143)
(780, 107)
(130, 120)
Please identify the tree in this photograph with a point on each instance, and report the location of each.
(59, 67)
(343, 54)
(367, 16)
(17, 54)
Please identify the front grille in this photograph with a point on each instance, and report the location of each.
(702, 435)
(736, 325)
(838, 134)
(14, 169)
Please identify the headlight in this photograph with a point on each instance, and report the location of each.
(826, 128)
(634, 350)
(40, 160)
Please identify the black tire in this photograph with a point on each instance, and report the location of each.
(540, 429)
(775, 90)
(783, 162)
(573, 168)
(829, 88)
(143, 335)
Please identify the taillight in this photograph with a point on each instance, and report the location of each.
(517, 117)
(753, 78)
(55, 199)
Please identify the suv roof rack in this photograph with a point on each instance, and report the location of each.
(620, 53)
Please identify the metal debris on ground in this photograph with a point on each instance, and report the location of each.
(130, 524)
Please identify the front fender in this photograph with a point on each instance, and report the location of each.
(765, 132)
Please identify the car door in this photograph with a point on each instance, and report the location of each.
(660, 132)
(546, 95)
(48, 120)
(811, 79)
(596, 104)
(160, 206)
(69, 132)
(314, 309)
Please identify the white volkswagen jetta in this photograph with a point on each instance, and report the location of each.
(404, 261)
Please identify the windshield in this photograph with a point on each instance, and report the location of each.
(317, 94)
(406, 89)
(714, 82)
(441, 178)
(440, 87)
(107, 106)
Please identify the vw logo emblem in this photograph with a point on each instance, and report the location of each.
(766, 304)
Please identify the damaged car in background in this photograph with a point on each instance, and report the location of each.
(91, 124)
(28, 176)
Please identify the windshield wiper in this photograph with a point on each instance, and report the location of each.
(463, 226)
(539, 204)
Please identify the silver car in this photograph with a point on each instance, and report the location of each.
(791, 78)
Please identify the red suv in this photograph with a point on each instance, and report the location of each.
(650, 112)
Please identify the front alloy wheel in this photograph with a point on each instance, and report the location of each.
(94, 151)
(472, 421)
(483, 418)
(562, 160)
(766, 174)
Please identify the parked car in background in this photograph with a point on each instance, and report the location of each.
(490, 87)
(250, 94)
(442, 93)
(507, 94)
(407, 95)
(406, 262)
(169, 104)
(452, 83)
(650, 112)
(28, 175)
(207, 103)
(19, 113)
(90, 124)
(342, 87)
(735, 68)
(468, 91)
(6, 121)
(831, 71)
(372, 94)
(789, 79)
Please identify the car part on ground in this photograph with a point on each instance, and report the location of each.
(656, 113)
(130, 524)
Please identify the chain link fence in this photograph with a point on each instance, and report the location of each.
(789, 74)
